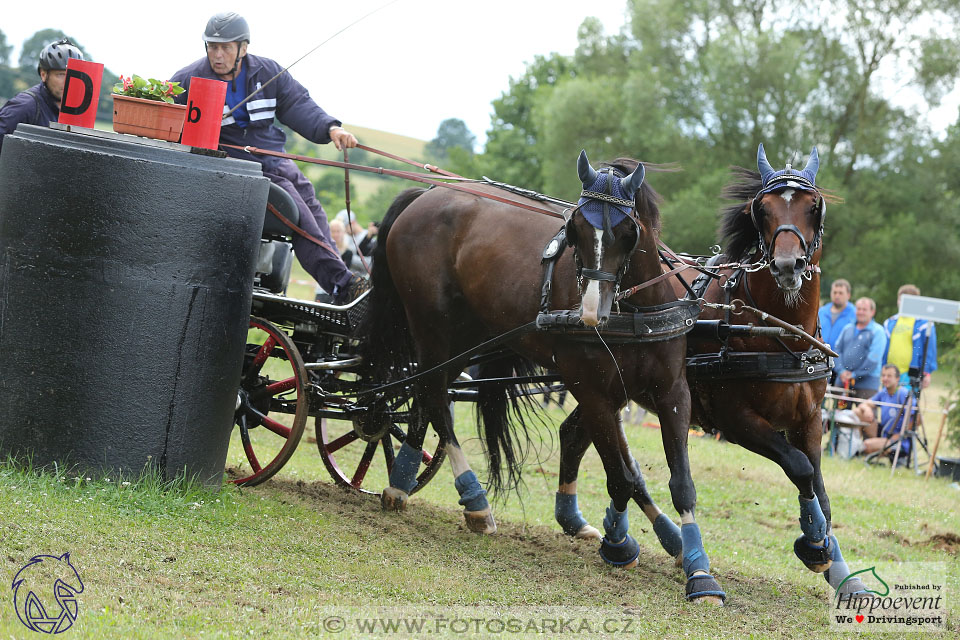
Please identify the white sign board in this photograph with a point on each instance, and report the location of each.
(935, 309)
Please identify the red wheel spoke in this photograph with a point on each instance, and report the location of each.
(342, 441)
(281, 430)
(388, 455)
(282, 385)
(364, 465)
(265, 350)
(251, 457)
(427, 458)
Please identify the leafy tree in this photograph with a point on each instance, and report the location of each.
(5, 49)
(451, 134)
(32, 46)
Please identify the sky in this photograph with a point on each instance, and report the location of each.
(404, 69)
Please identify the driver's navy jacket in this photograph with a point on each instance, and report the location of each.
(33, 106)
(284, 99)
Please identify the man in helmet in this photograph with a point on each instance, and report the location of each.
(252, 124)
(40, 104)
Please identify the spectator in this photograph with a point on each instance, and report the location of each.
(836, 314)
(40, 104)
(276, 95)
(889, 428)
(861, 346)
(345, 247)
(906, 337)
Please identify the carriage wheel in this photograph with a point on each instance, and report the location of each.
(351, 460)
(273, 387)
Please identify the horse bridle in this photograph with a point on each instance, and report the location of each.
(606, 198)
(808, 248)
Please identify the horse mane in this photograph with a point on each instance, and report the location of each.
(737, 233)
(648, 200)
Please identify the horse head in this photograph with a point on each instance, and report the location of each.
(603, 234)
(787, 213)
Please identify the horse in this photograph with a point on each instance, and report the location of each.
(774, 231)
(453, 270)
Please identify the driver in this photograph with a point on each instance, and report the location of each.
(252, 124)
(40, 104)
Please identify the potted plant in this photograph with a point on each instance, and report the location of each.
(145, 108)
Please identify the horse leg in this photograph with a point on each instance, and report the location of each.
(673, 408)
(836, 571)
(403, 474)
(476, 509)
(574, 441)
(618, 547)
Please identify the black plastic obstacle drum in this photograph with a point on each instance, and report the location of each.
(126, 272)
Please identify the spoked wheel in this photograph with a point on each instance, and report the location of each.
(272, 402)
(363, 461)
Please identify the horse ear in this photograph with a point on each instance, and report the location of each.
(588, 175)
(813, 165)
(763, 166)
(632, 182)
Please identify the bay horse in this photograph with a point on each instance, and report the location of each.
(775, 232)
(453, 270)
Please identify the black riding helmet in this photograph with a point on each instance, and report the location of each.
(227, 26)
(56, 54)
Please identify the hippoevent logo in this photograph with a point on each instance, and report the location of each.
(45, 593)
(894, 597)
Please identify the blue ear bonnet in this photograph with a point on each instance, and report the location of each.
(805, 180)
(592, 209)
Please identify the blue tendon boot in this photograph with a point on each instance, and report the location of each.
(669, 535)
(403, 479)
(476, 509)
(808, 547)
(701, 587)
(568, 516)
(617, 547)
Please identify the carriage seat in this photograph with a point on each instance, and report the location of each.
(276, 252)
(286, 206)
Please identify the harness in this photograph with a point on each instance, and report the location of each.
(780, 182)
(607, 198)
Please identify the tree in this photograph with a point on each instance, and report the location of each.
(5, 49)
(452, 133)
(32, 46)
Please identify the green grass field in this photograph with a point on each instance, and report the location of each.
(274, 560)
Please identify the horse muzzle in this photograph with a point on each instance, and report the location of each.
(595, 305)
(788, 272)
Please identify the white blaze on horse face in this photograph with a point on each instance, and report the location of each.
(787, 195)
(591, 297)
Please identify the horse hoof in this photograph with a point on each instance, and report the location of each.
(393, 499)
(588, 533)
(716, 601)
(703, 587)
(623, 555)
(480, 521)
(816, 558)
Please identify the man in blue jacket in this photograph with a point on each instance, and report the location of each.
(836, 314)
(861, 346)
(40, 104)
(252, 124)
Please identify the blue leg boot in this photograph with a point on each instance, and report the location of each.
(703, 586)
(570, 519)
(813, 547)
(669, 535)
(618, 547)
(403, 479)
(837, 574)
(476, 509)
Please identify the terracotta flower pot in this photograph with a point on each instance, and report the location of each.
(148, 118)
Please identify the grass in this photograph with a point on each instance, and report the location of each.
(175, 561)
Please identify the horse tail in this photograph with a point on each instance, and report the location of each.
(506, 420)
(385, 343)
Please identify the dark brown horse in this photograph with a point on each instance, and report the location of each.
(765, 393)
(453, 270)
